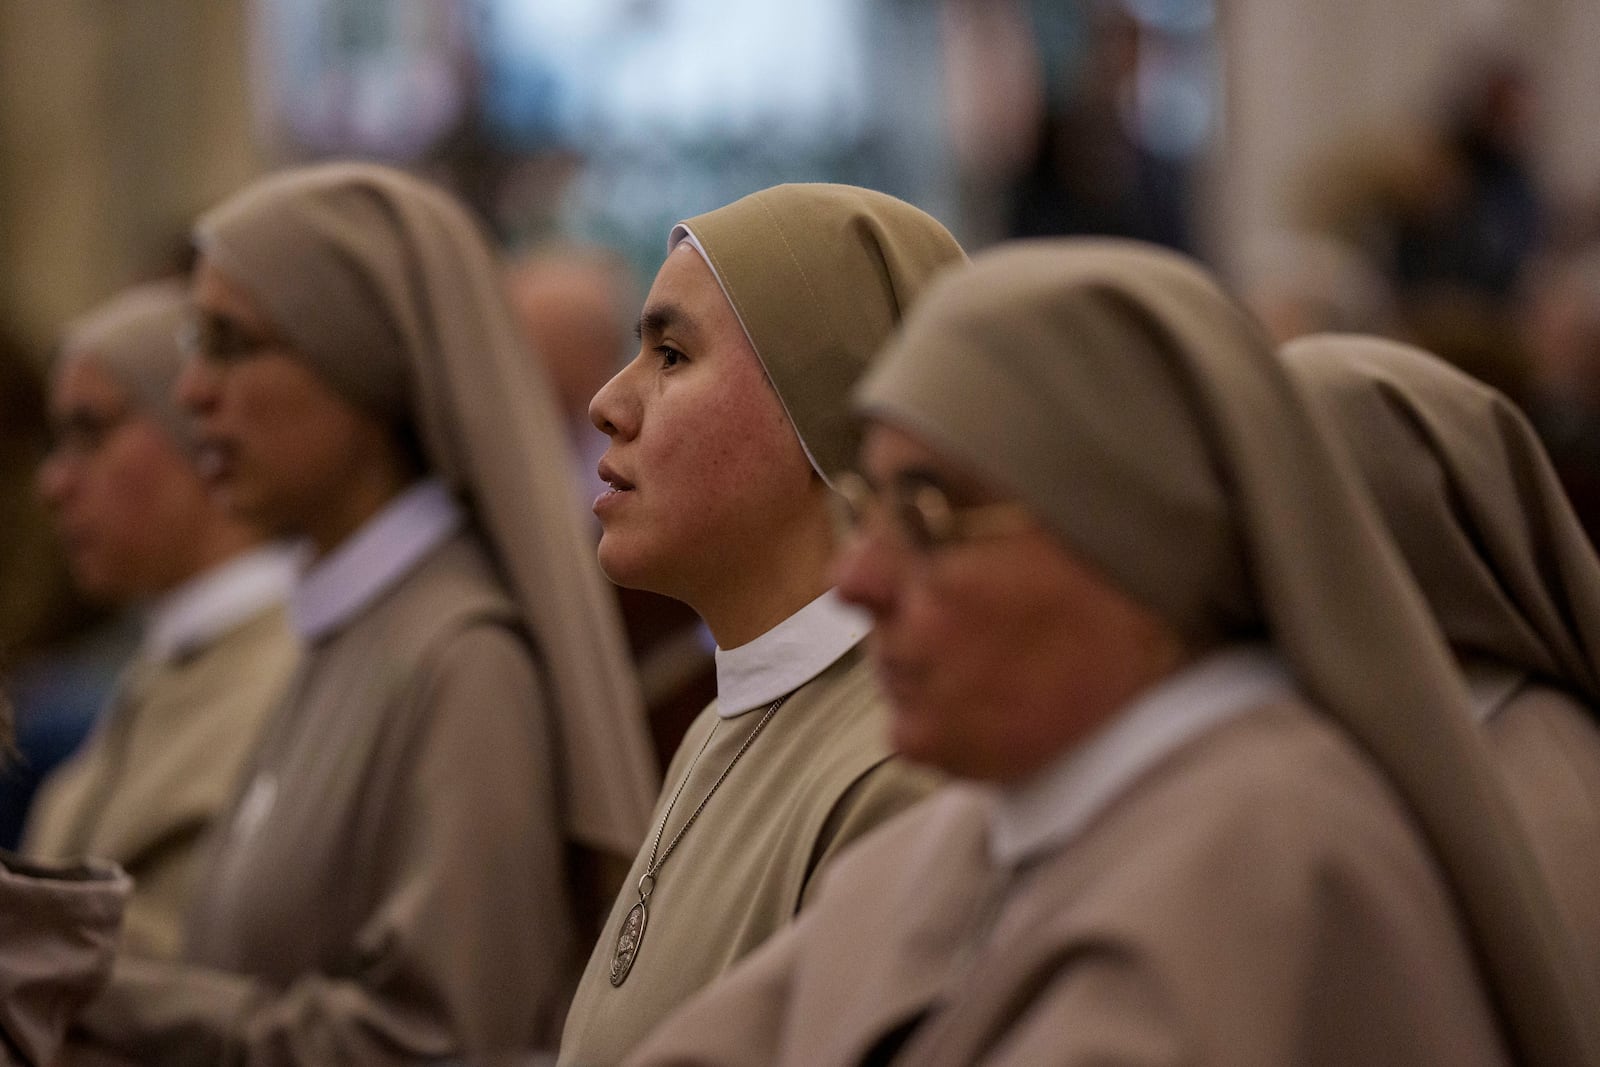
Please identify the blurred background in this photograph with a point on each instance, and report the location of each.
(1253, 132)
(1423, 168)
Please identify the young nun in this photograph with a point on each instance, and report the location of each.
(393, 885)
(1226, 803)
(725, 432)
(1475, 507)
(216, 655)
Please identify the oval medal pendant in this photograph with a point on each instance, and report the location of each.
(628, 939)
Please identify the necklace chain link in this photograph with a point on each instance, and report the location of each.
(656, 864)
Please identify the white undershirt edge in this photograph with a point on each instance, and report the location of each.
(789, 655)
(202, 609)
(385, 549)
(1055, 805)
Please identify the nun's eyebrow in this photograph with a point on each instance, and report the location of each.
(660, 318)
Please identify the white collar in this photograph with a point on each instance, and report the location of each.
(196, 613)
(385, 549)
(787, 656)
(1491, 685)
(1055, 805)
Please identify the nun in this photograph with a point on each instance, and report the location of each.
(727, 433)
(1222, 799)
(215, 653)
(401, 878)
(1474, 505)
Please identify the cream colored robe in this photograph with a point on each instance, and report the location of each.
(819, 776)
(1548, 746)
(58, 933)
(1257, 900)
(163, 765)
(401, 896)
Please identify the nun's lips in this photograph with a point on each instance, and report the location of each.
(617, 485)
(609, 475)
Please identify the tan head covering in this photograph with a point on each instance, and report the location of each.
(819, 275)
(1471, 500)
(386, 287)
(1145, 418)
(133, 337)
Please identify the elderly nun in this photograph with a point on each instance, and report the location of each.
(215, 654)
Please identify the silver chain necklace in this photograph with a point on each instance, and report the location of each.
(632, 933)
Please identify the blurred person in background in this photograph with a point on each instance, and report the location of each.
(1463, 242)
(58, 935)
(1480, 218)
(1452, 217)
(1561, 328)
(1473, 504)
(1224, 800)
(576, 306)
(141, 530)
(1091, 170)
(727, 431)
(994, 91)
(59, 654)
(405, 876)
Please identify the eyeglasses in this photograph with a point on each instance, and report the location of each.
(221, 340)
(923, 516)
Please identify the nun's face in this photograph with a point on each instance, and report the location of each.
(279, 446)
(998, 649)
(708, 482)
(127, 502)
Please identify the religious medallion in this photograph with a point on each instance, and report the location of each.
(628, 942)
(632, 932)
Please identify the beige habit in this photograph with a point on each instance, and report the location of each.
(1328, 874)
(58, 932)
(818, 275)
(165, 760)
(1476, 509)
(162, 767)
(394, 883)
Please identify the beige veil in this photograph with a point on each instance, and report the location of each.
(819, 275)
(387, 288)
(1146, 419)
(1471, 500)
